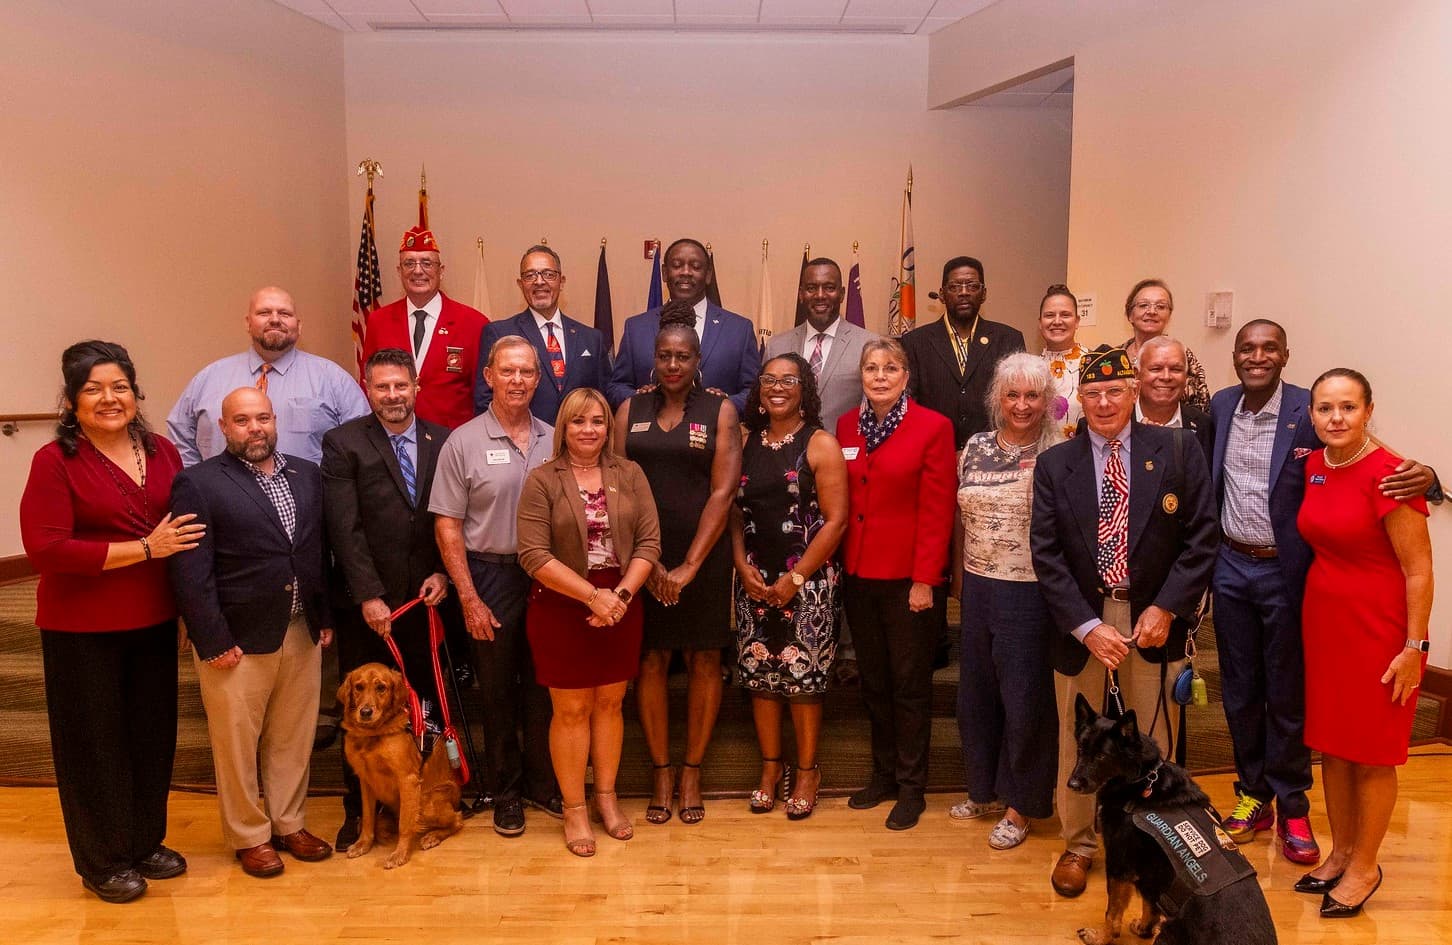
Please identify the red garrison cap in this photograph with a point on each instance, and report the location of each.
(418, 240)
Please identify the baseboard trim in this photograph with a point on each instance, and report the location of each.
(15, 568)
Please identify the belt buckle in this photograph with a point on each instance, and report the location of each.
(1119, 593)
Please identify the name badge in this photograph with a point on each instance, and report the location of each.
(454, 360)
(849, 453)
(1318, 480)
(496, 457)
(640, 427)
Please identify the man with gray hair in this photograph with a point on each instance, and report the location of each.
(1163, 373)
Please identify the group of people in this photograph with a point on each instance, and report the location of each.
(587, 519)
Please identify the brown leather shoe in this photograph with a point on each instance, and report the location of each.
(261, 861)
(1071, 874)
(303, 846)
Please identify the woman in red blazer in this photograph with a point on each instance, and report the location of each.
(901, 478)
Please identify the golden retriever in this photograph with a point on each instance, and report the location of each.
(386, 759)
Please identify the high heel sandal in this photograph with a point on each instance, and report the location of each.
(623, 830)
(763, 802)
(799, 808)
(656, 813)
(580, 846)
(696, 813)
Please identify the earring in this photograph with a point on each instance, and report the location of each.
(760, 409)
(700, 378)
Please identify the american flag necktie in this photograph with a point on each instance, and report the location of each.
(557, 358)
(262, 377)
(1113, 552)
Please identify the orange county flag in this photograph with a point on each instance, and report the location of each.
(902, 310)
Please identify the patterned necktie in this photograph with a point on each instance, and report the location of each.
(1113, 553)
(557, 358)
(262, 377)
(418, 331)
(816, 359)
(405, 466)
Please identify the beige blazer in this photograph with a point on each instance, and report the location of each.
(552, 515)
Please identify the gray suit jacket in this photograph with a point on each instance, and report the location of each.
(841, 382)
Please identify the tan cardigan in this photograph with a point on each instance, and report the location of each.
(552, 515)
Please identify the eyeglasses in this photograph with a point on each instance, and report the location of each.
(1107, 393)
(771, 380)
(1159, 307)
(425, 265)
(540, 275)
(962, 287)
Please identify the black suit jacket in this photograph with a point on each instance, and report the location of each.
(235, 587)
(586, 362)
(1199, 423)
(383, 546)
(936, 382)
(1172, 541)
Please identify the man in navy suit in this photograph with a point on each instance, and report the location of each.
(1123, 540)
(571, 354)
(1262, 438)
(256, 609)
(730, 358)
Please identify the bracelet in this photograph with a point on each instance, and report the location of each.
(591, 599)
(146, 549)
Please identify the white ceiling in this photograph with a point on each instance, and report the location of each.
(823, 16)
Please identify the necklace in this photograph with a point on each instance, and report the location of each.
(1353, 458)
(586, 466)
(1013, 449)
(783, 441)
(141, 517)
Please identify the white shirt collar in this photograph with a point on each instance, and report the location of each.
(830, 331)
(1176, 421)
(556, 319)
(433, 308)
(700, 308)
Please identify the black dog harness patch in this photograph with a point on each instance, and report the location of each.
(1205, 859)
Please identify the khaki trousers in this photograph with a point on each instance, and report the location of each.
(261, 717)
(1139, 683)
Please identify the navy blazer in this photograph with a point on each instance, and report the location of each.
(235, 587)
(1172, 538)
(586, 362)
(730, 356)
(1295, 440)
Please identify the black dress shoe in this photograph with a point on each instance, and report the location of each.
(872, 795)
(1310, 884)
(554, 807)
(122, 886)
(163, 863)
(508, 817)
(348, 833)
(1332, 908)
(905, 812)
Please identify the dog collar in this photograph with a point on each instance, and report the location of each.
(1150, 779)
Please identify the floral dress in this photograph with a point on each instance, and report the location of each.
(1064, 403)
(784, 651)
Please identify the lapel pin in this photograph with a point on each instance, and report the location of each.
(1170, 503)
(982, 340)
(443, 330)
(1149, 465)
(1290, 426)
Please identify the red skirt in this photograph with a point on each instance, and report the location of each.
(571, 654)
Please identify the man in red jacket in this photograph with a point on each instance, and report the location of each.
(442, 335)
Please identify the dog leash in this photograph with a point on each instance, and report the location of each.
(450, 736)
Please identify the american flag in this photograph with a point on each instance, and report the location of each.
(367, 284)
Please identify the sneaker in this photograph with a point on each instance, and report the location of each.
(1249, 817)
(972, 810)
(1006, 834)
(508, 817)
(1298, 843)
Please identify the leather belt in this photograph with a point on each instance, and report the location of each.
(1119, 592)
(1263, 552)
(490, 558)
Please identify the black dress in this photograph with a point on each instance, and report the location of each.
(784, 651)
(677, 463)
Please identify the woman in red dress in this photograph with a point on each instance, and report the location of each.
(1368, 600)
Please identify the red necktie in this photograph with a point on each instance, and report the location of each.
(557, 358)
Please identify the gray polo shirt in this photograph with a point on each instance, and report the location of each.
(480, 476)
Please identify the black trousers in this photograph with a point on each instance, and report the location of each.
(358, 644)
(112, 704)
(517, 709)
(895, 661)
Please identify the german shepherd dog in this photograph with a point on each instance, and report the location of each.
(1125, 769)
(423, 795)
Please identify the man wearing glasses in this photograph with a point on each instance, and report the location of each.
(441, 334)
(1123, 538)
(571, 354)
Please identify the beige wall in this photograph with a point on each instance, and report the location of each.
(160, 160)
(1295, 153)
(729, 139)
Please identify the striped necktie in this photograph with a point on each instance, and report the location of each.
(816, 360)
(262, 377)
(405, 466)
(1113, 553)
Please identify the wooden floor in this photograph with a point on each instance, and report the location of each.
(756, 880)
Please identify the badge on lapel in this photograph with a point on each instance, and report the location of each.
(698, 436)
(1301, 452)
(1170, 503)
(1318, 480)
(1149, 465)
(453, 359)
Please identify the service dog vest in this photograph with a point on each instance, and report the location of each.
(1205, 859)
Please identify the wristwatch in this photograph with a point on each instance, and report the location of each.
(1421, 646)
(624, 594)
(797, 578)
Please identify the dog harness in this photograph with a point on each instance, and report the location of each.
(1205, 859)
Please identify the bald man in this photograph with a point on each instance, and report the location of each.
(311, 395)
(256, 610)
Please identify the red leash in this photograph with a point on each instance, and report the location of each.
(415, 710)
